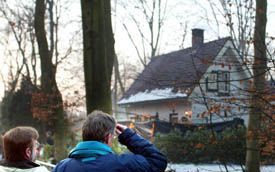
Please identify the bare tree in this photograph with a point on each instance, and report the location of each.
(240, 21)
(259, 85)
(99, 53)
(20, 27)
(54, 113)
(149, 31)
(117, 84)
(240, 18)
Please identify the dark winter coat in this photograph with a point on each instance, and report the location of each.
(145, 157)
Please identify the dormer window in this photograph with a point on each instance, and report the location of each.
(223, 82)
(211, 81)
(218, 81)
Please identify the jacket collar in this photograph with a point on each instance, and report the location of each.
(25, 164)
(90, 150)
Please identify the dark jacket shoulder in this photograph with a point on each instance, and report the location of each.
(144, 157)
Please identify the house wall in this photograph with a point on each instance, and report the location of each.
(164, 108)
(223, 107)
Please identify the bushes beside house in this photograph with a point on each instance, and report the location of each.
(204, 146)
(16, 108)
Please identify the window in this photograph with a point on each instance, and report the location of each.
(211, 81)
(173, 117)
(223, 82)
(218, 81)
(225, 113)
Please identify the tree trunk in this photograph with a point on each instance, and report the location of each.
(49, 87)
(259, 71)
(99, 51)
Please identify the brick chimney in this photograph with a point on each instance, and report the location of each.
(197, 37)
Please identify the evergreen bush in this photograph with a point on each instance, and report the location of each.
(204, 146)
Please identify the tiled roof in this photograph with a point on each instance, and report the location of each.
(180, 70)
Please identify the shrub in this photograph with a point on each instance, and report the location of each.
(204, 146)
(16, 108)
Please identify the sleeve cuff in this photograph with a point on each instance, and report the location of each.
(126, 135)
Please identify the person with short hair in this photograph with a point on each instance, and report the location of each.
(20, 150)
(95, 154)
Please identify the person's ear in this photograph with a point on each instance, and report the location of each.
(28, 153)
(108, 139)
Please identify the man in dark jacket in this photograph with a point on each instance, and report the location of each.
(95, 153)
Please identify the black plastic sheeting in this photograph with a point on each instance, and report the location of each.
(166, 127)
(150, 128)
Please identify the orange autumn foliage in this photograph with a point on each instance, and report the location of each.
(44, 105)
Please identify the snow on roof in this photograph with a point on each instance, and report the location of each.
(156, 94)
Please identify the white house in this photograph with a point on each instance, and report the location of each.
(205, 83)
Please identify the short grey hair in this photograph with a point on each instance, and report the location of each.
(97, 126)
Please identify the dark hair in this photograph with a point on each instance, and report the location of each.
(17, 140)
(97, 125)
